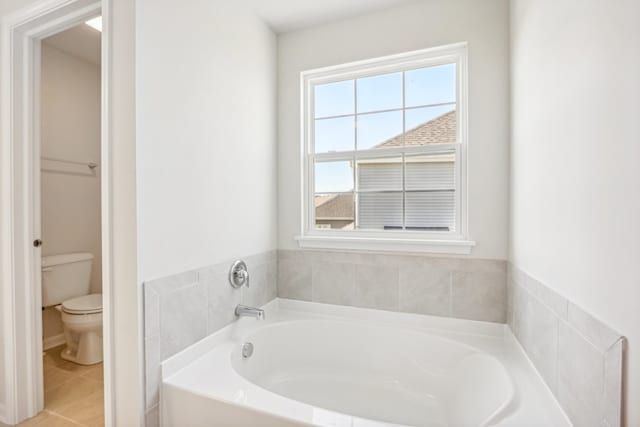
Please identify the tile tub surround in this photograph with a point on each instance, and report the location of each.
(182, 309)
(579, 357)
(465, 288)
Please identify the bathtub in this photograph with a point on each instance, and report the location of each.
(322, 365)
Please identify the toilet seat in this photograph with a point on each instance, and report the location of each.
(86, 304)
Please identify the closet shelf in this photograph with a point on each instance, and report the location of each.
(51, 164)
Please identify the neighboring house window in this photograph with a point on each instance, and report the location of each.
(385, 146)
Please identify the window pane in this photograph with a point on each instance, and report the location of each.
(380, 211)
(380, 174)
(384, 149)
(379, 130)
(430, 172)
(333, 177)
(377, 93)
(430, 125)
(432, 85)
(334, 211)
(433, 211)
(335, 135)
(334, 99)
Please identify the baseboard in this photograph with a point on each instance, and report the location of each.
(53, 341)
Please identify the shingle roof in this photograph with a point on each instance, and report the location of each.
(441, 130)
(334, 206)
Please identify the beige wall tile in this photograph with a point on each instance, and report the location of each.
(612, 394)
(152, 370)
(424, 283)
(425, 290)
(294, 276)
(537, 331)
(580, 359)
(333, 283)
(183, 318)
(479, 296)
(222, 298)
(193, 304)
(594, 331)
(151, 312)
(580, 378)
(256, 294)
(376, 286)
(172, 283)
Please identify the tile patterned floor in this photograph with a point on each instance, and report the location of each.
(73, 394)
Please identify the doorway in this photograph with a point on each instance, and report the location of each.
(70, 190)
(24, 365)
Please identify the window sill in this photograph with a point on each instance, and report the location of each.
(458, 247)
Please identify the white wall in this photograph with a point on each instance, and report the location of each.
(206, 153)
(484, 25)
(70, 130)
(575, 200)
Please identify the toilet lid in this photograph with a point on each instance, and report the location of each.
(85, 304)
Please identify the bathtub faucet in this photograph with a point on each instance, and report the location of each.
(245, 311)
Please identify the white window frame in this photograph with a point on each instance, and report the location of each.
(453, 242)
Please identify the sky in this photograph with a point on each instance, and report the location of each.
(351, 98)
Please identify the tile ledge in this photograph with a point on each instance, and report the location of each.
(459, 247)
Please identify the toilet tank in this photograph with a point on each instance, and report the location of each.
(65, 276)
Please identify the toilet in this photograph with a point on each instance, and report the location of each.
(66, 281)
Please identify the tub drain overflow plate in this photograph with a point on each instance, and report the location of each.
(247, 350)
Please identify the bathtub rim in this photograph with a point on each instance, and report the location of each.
(444, 327)
(448, 330)
(539, 402)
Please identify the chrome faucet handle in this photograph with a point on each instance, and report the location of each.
(239, 275)
(244, 277)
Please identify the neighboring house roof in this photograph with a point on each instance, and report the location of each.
(441, 130)
(334, 206)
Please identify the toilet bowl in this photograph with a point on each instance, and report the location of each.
(82, 321)
(66, 286)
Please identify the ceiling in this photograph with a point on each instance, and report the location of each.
(80, 41)
(289, 15)
(281, 15)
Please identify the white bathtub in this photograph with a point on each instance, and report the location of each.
(323, 365)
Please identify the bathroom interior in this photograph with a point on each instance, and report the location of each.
(71, 247)
(365, 213)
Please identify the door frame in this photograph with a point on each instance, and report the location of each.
(20, 282)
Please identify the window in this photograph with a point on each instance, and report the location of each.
(384, 153)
